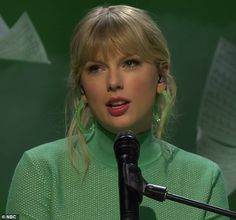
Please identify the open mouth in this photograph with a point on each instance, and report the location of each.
(117, 106)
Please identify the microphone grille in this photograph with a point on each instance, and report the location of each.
(126, 147)
(125, 134)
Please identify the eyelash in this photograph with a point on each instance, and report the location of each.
(128, 64)
(131, 63)
(94, 68)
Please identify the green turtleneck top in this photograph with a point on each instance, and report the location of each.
(45, 185)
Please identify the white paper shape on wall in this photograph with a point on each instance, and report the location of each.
(216, 137)
(21, 42)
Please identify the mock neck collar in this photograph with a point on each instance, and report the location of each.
(100, 145)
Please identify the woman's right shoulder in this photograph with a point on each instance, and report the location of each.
(48, 150)
(49, 155)
(36, 172)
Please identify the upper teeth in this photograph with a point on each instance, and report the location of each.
(118, 103)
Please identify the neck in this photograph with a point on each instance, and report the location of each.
(101, 147)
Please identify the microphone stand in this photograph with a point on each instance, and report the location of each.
(134, 180)
(130, 199)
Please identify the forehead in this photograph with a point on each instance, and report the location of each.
(102, 54)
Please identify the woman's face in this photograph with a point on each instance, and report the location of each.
(121, 91)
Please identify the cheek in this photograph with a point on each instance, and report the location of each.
(93, 92)
(90, 86)
(94, 97)
(146, 86)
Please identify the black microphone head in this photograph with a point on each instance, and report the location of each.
(126, 147)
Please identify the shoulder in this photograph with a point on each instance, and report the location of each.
(49, 150)
(35, 175)
(189, 161)
(47, 157)
(192, 171)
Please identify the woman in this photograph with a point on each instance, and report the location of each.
(120, 80)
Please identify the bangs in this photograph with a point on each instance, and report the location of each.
(109, 31)
(113, 34)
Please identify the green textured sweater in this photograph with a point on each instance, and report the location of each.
(46, 186)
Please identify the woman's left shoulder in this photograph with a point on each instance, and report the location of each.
(189, 159)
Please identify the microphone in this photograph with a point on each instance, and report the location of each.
(126, 148)
(132, 185)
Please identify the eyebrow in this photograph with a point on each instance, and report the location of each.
(94, 61)
(121, 58)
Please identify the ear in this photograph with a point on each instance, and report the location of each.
(84, 98)
(163, 72)
(161, 86)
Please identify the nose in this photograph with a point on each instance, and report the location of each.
(114, 80)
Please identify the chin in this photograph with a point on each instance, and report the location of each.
(123, 127)
(125, 123)
(116, 128)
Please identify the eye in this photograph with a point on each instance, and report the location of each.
(131, 63)
(94, 68)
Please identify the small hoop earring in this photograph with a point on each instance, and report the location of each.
(79, 110)
(156, 117)
(155, 113)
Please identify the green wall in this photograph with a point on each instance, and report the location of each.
(32, 95)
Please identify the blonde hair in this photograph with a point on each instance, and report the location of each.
(118, 28)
